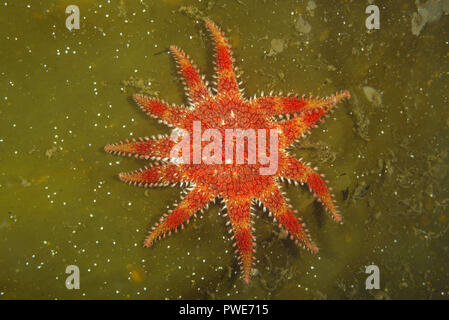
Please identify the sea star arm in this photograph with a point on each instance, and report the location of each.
(274, 200)
(197, 199)
(226, 77)
(283, 106)
(239, 213)
(293, 169)
(294, 128)
(145, 148)
(155, 175)
(171, 115)
(194, 83)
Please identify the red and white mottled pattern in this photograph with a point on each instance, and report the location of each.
(240, 186)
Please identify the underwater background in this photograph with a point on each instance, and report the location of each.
(66, 94)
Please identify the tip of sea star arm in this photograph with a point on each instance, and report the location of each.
(145, 148)
(296, 229)
(327, 102)
(293, 105)
(344, 94)
(141, 177)
(333, 210)
(195, 85)
(197, 199)
(170, 115)
(226, 77)
(155, 175)
(341, 96)
(295, 170)
(122, 148)
(311, 247)
(212, 26)
(244, 242)
(276, 204)
(318, 186)
(239, 214)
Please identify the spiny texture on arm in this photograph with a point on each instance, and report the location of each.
(226, 77)
(170, 115)
(196, 199)
(154, 175)
(296, 127)
(195, 85)
(144, 148)
(295, 170)
(277, 105)
(274, 200)
(239, 213)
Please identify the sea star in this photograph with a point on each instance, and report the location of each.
(239, 186)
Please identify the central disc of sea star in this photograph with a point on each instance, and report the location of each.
(239, 185)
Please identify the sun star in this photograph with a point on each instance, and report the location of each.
(239, 186)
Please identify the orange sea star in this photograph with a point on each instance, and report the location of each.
(240, 186)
